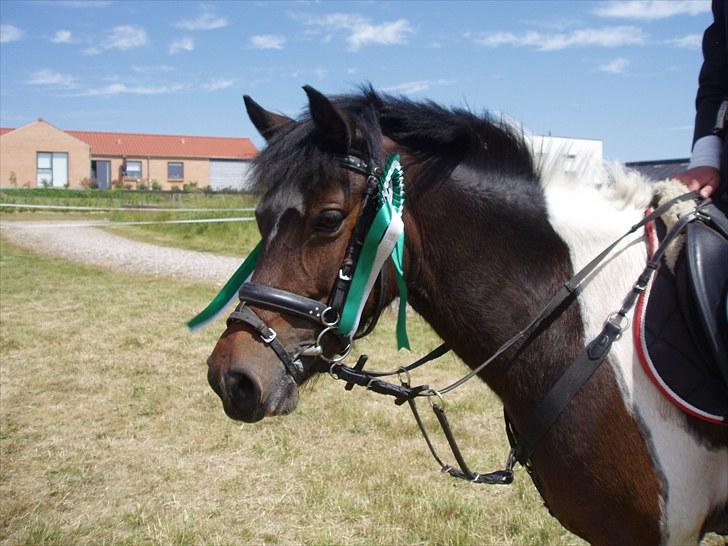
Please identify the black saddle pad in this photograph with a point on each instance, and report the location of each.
(672, 344)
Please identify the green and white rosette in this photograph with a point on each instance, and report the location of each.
(384, 239)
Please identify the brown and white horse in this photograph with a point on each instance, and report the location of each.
(489, 239)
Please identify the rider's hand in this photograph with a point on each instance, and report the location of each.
(705, 179)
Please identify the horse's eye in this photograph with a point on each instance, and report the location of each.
(329, 221)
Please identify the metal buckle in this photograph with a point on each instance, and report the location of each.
(616, 319)
(270, 337)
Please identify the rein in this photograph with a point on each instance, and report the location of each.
(548, 410)
(377, 235)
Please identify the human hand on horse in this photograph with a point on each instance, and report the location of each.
(704, 179)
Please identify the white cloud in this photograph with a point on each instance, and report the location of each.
(615, 66)
(62, 37)
(417, 86)
(10, 33)
(598, 37)
(395, 32)
(123, 89)
(218, 84)
(689, 41)
(151, 69)
(50, 78)
(361, 31)
(126, 37)
(206, 21)
(267, 41)
(93, 50)
(183, 44)
(652, 9)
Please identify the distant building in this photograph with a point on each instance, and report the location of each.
(569, 156)
(660, 169)
(41, 155)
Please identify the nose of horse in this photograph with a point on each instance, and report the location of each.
(244, 397)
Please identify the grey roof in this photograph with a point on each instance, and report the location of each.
(660, 169)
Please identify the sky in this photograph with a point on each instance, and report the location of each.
(624, 72)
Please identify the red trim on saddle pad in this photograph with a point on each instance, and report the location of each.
(640, 343)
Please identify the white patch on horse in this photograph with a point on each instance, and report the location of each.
(278, 204)
(588, 218)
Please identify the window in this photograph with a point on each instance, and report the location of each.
(175, 170)
(132, 169)
(52, 169)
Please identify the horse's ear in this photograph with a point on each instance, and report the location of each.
(266, 122)
(330, 122)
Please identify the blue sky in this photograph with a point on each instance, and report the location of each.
(624, 72)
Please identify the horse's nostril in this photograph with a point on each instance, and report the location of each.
(245, 396)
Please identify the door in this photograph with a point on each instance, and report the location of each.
(228, 174)
(101, 173)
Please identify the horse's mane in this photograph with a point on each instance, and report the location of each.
(438, 138)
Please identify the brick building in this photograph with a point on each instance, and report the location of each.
(41, 155)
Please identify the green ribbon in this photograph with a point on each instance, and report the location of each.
(229, 292)
(391, 196)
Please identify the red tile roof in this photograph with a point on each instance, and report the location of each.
(175, 146)
(146, 145)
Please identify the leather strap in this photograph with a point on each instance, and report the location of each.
(281, 300)
(548, 410)
(269, 337)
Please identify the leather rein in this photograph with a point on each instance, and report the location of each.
(523, 443)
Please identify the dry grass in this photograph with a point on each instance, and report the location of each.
(110, 435)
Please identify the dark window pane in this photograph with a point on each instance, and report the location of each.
(175, 170)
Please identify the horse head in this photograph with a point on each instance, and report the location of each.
(314, 174)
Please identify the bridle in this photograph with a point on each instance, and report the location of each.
(327, 316)
(324, 316)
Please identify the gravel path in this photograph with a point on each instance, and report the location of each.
(94, 246)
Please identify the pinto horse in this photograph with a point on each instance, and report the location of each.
(489, 237)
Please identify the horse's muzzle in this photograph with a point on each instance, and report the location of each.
(244, 398)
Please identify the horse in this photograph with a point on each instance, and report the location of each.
(489, 237)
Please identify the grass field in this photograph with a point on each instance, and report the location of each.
(109, 434)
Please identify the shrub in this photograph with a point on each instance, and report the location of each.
(156, 186)
(141, 186)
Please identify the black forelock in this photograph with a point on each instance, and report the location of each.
(439, 139)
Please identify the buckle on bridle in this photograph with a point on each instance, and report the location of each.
(268, 339)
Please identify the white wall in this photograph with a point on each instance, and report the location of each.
(568, 156)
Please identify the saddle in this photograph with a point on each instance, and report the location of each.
(681, 320)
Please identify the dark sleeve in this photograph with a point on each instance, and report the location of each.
(713, 80)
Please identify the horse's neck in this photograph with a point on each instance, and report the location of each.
(488, 259)
(488, 262)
